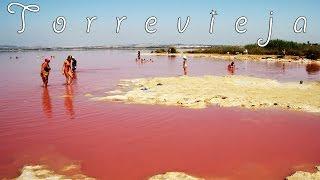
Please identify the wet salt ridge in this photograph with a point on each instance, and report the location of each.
(59, 126)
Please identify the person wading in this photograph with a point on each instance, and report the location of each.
(45, 70)
(67, 70)
(185, 65)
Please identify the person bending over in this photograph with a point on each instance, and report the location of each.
(44, 73)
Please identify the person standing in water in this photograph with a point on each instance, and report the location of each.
(45, 70)
(74, 67)
(139, 55)
(74, 64)
(185, 65)
(231, 68)
(67, 70)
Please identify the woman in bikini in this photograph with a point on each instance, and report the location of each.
(44, 73)
(67, 70)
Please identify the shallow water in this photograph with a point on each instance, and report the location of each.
(59, 125)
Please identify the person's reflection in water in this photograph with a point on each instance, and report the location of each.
(75, 77)
(279, 65)
(172, 57)
(46, 102)
(312, 68)
(68, 100)
(283, 67)
(185, 71)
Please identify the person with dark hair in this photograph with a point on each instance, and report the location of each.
(231, 68)
(45, 70)
(67, 70)
(185, 65)
(139, 55)
(74, 64)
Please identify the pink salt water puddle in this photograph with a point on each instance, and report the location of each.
(59, 126)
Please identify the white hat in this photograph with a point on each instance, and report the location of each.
(184, 57)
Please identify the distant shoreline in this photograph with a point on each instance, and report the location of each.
(240, 57)
(276, 49)
(88, 48)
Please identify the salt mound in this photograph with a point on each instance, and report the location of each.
(300, 175)
(227, 91)
(174, 176)
(39, 172)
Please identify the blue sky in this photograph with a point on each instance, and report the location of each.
(39, 25)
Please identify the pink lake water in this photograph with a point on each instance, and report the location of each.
(59, 125)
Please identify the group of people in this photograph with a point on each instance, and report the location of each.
(142, 60)
(68, 70)
(70, 65)
(231, 67)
